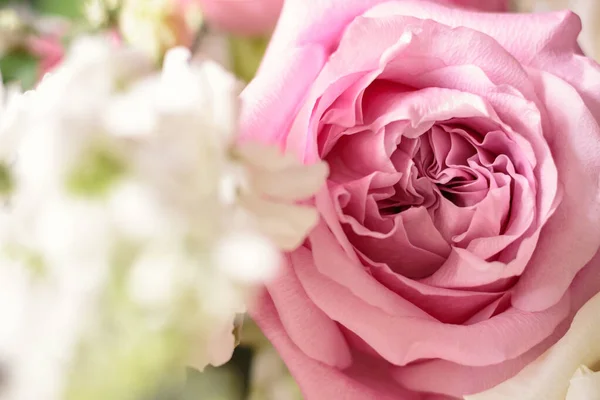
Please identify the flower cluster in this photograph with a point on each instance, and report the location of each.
(153, 26)
(133, 227)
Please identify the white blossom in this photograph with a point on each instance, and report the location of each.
(127, 180)
(247, 257)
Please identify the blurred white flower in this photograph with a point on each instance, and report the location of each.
(152, 282)
(247, 257)
(96, 12)
(136, 213)
(272, 185)
(154, 25)
(131, 211)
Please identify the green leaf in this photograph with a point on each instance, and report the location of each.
(20, 66)
(246, 54)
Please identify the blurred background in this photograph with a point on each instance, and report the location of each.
(67, 8)
(33, 35)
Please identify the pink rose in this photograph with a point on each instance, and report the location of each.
(461, 221)
(247, 17)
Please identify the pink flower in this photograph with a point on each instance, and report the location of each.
(461, 221)
(50, 51)
(246, 17)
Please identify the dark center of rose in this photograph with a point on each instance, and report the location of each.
(441, 162)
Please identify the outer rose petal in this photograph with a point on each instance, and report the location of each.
(322, 21)
(320, 381)
(551, 43)
(308, 31)
(571, 237)
(549, 376)
(454, 379)
(308, 327)
(334, 284)
(317, 380)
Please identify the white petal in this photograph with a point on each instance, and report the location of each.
(221, 92)
(292, 183)
(132, 113)
(264, 157)
(287, 225)
(70, 230)
(585, 385)
(136, 212)
(153, 279)
(247, 257)
(549, 376)
(216, 348)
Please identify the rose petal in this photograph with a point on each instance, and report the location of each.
(548, 377)
(317, 380)
(572, 236)
(308, 327)
(548, 34)
(478, 344)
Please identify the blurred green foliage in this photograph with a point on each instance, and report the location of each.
(66, 8)
(246, 54)
(229, 382)
(20, 67)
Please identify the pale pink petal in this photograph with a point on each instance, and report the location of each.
(479, 344)
(548, 34)
(307, 326)
(317, 380)
(273, 97)
(572, 236)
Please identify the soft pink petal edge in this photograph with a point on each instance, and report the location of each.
(307, 32)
